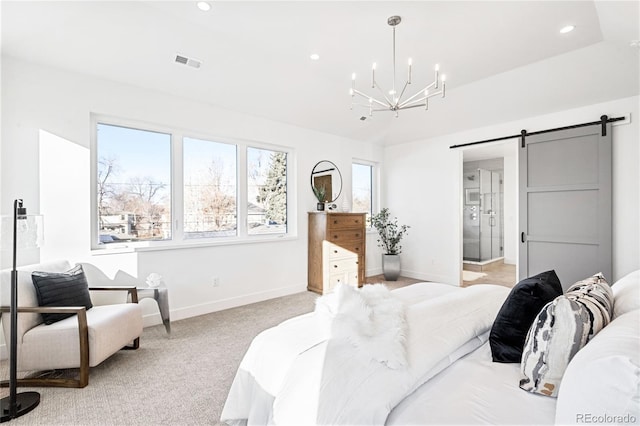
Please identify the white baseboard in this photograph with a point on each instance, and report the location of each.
(232, 302)
(372, 272)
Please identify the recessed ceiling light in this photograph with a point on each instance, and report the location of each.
(314, 57)
(567, 29)
(204, 6)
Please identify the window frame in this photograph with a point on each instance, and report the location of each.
(375, 195)
(178, 239)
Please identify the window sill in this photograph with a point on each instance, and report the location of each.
(158, 246)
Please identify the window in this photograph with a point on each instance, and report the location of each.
(210, 193)
(267, 191)
(362, 188)
(133, 184)
(161, 187)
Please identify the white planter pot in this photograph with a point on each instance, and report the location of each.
(391, 266)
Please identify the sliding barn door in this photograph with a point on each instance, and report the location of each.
(565, 204)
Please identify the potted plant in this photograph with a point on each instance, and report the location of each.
(390, 234)
(320, 192)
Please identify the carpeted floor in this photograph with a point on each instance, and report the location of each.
(178, 380)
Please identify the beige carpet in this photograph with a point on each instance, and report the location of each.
(179, 380)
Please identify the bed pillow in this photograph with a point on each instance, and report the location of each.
(560, 330)
(603, 379)
(509, 330)
(626, 294)
(68, 288)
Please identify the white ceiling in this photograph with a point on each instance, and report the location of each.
(503, 60)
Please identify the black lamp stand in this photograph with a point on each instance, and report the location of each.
(16, 404)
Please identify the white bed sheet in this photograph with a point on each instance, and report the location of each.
(273, 389)
(474, 390)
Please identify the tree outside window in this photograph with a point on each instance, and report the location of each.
(210, 189)
(134, 184)
(267, 191)
(362, 188)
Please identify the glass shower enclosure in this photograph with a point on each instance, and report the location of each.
(482, 215)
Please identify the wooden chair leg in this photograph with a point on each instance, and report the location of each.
(83, 379)
(134, 345)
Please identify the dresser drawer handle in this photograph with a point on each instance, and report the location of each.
(357, 235)
(335, 266)
(357, 249)
(335, 251)
(335, 222)
(335, 237)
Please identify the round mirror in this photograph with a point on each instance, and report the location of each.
(326, 179)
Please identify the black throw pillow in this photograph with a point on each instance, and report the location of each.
(526, 299)
(68, 288)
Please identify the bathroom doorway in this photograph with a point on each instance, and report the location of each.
(482, 220)
(488, 216)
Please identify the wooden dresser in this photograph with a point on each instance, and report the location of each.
(336, 250)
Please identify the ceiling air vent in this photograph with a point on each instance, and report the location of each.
(194, 63)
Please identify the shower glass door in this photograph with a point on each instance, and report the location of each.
(482, 224)
(490, 215)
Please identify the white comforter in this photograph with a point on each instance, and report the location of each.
(294, 374)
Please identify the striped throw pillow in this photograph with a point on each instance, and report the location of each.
(68, 288)
(560, 330)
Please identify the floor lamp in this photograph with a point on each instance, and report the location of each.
(17, 404)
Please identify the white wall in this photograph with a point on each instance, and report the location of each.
(45, 161)
(423, 188)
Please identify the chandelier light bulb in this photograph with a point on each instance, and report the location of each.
(204, 6)
(567, 29)
(373, 75)
(353, 76)
(444, 78)
(437, 67)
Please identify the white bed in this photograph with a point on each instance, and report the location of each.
(474, 390)
(295, 374)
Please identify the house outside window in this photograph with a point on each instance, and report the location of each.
(133, 184)
(161, 187)
(267, 191)
(210, 189)
(362, 188)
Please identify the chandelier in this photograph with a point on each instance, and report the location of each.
(392, 100)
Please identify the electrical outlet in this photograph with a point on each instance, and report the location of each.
(216, 281)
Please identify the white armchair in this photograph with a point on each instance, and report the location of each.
(80, 341)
